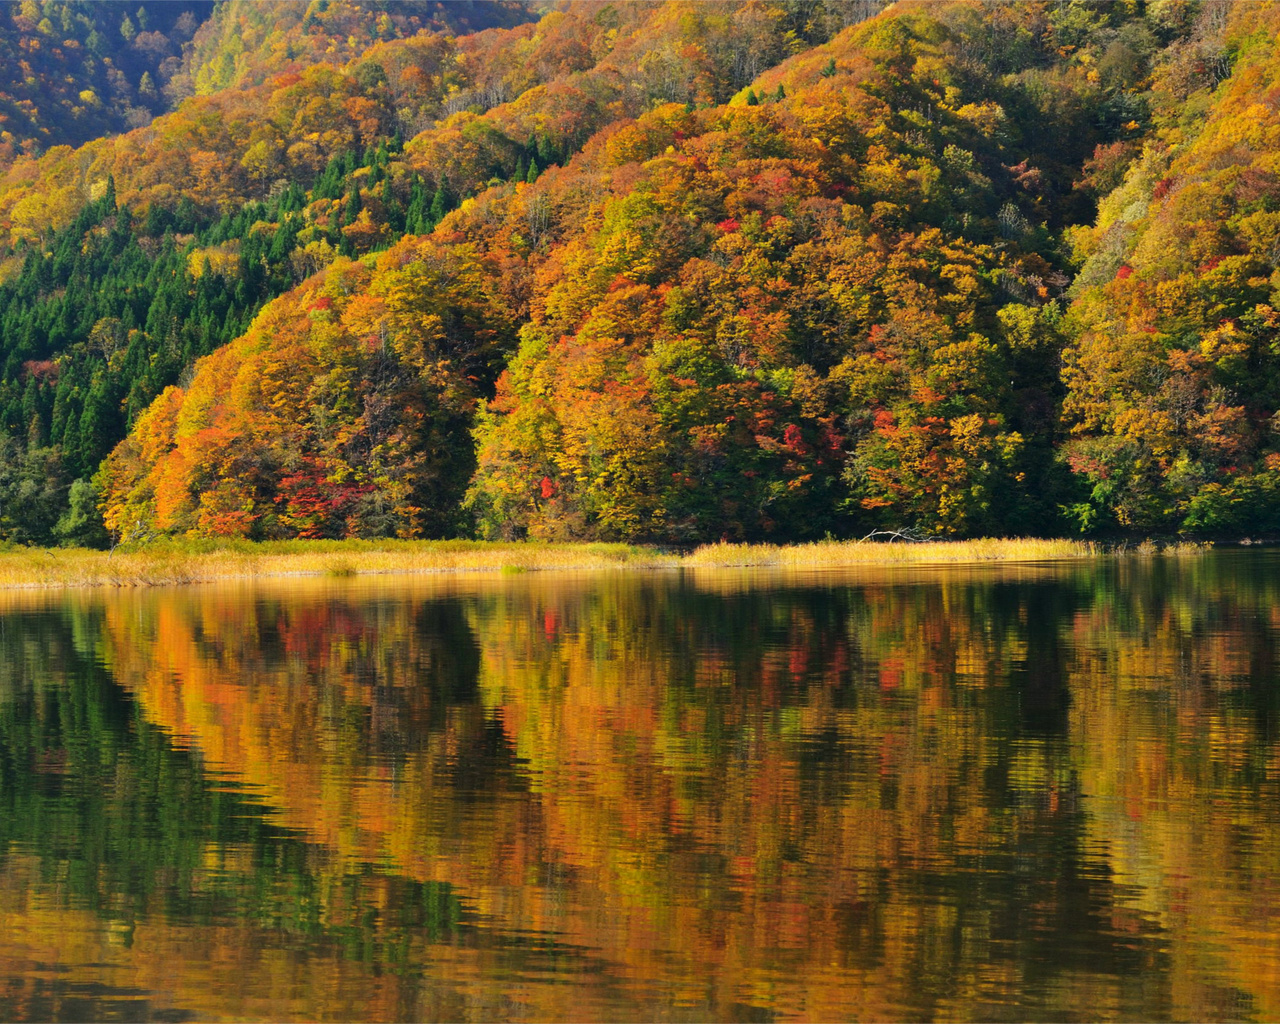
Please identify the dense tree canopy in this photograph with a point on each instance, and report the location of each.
(670, 272)
(1172, 372)
(71, 70)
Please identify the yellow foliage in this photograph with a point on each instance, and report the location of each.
(222, 260)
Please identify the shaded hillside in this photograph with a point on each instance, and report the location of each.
(246, 42)
(71, 70)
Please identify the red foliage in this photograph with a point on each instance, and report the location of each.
(314, 506)
(793, 438)
(1087, 464)
(41, 369)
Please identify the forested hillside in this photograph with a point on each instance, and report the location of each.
(71, 70)
(659, 271)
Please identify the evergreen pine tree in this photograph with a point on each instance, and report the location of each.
(439, 205)
(353, 207)
(71, 439)
(30, 402)
(415, 215)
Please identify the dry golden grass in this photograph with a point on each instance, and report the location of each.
(834, 554)
(196, 562)
(181, 561)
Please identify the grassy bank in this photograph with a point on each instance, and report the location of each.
(850, 553)
(170, 562)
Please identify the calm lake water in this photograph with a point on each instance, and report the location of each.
(1035, 792)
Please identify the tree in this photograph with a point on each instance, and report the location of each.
(81, 524)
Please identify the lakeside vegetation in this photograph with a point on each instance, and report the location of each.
(169, 562)
(193, 561)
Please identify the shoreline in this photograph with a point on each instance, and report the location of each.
(170, 563)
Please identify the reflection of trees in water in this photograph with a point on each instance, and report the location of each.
(357, 720)
(1174, 697)
(929, 793)
(838, 775)
(381, 676)
(101, 810)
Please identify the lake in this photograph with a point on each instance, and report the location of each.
(1016, 792)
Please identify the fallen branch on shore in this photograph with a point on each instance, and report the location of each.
(911, 536)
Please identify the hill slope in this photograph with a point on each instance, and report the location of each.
(711, 270)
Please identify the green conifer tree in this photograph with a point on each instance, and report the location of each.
(353, 207)
(439, 205)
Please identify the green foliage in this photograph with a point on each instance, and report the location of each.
(112, 311)
(33, 490)
(81, 525)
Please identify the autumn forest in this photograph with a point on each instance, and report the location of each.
(661, 272)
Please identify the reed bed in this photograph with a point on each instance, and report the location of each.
(192, 561)
(1177, 549)
(176, 562)
(838, 554)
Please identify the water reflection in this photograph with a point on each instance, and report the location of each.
(1020, 793)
